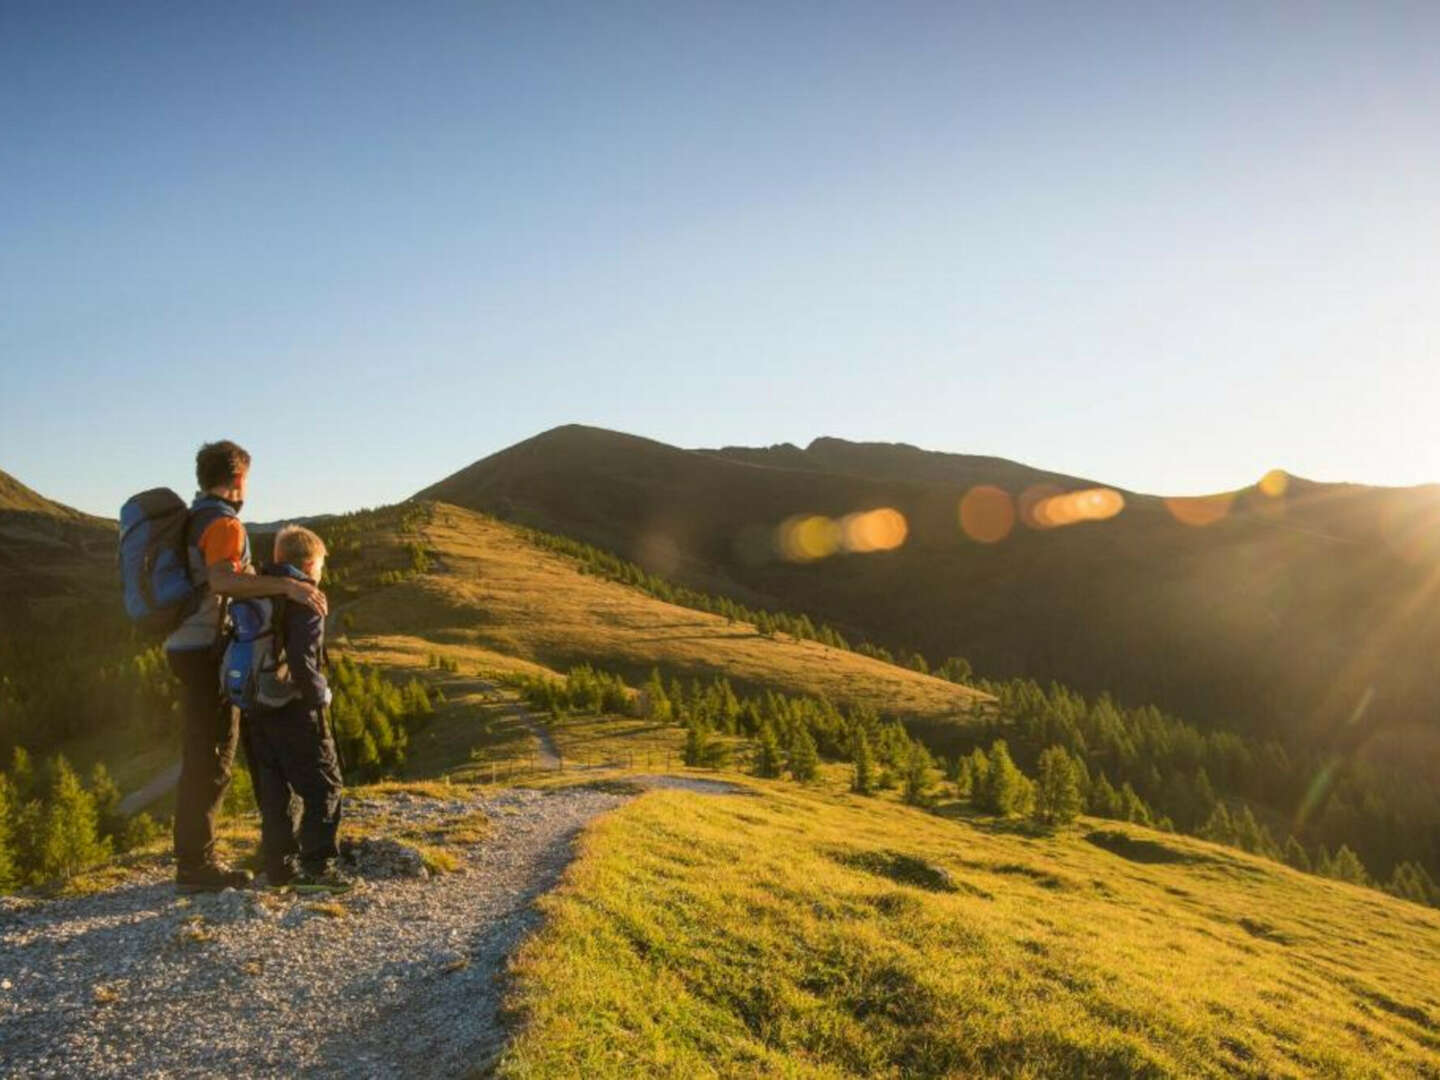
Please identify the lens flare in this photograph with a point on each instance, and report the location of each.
(987, 514)
(1200, 510)
(808, 537)
(1053, 509)
(1032, 501)
(873, 530)
(1274, 483)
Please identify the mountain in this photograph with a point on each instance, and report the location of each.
(51, 556)
(1295, 607)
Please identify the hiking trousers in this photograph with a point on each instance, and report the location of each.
(207, 754)
(292, 753)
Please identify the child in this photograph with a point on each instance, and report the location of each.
(290, 747)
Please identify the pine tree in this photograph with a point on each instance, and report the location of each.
(107, 801)
(1134, 807)
(22, 776)
(917, 774)
(9, 864)
(1411, 881)
(69, 840)
(804, 759)
(1104, 799)
(979, 774)
(697, 744)
(1346, 866)
(1057, 795)
(964, 778)
(768, 761)
(1219, 828)
(863, 782)
(1295, 854)
(1004, 790)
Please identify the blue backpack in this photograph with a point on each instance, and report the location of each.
(154, 562)
(255, 671)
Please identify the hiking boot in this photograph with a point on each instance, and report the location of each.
(327, 879)
(210, 877)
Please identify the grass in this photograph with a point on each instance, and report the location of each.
(809, 933)
(491, 600)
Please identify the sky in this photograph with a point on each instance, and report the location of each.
(1166, 246)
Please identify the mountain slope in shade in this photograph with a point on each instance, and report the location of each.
(1288, 611)
(51, 556)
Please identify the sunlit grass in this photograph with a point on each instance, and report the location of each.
(776, 934)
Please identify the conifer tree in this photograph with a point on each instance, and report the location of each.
(107, 801)
(1104, 799)
(697, 743)
(1295, 854)
(768, 762)
(1057, 795)
(22, 776)
(1411, 881)
(863, 782)
(1004, 790)
(917, 773)
(804, 758)
(979, 774)
(1219, 828)
(965, 778)
(1134, 807)
(1346, 866)
(69, 840)
(9, 863)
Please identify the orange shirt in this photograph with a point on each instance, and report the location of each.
(224, 541)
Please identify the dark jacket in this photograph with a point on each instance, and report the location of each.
(303, 633)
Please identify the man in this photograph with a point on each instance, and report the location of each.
(219, 554)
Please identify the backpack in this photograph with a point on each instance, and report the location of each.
(255, 671)
(154, 562)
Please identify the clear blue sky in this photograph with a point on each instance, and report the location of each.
(1167, 246)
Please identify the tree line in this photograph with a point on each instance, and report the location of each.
(790, 735)
(54, 826)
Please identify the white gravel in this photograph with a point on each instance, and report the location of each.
(139, 982)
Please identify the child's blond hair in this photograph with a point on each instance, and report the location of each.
(298, 545)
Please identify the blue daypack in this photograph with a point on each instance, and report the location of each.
(255, 671)
(154, 562)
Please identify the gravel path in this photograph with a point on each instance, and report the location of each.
(139, 982)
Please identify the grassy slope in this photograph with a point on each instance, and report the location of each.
(497, 601)
(773, 934)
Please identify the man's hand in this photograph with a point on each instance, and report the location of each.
(302, 592)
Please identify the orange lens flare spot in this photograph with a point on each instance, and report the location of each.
(809, 537)
(1200, 510)
(1274, 483)
(987, 514)
(1033, 502)
(873, 530)
(1050, 509)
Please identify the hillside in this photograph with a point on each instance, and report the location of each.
(1280, 609)
(803, 932)
(493, 599)
(51, 557)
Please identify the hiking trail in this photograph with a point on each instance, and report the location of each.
(398, 978)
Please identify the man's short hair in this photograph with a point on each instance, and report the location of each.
(297, 544)
(218, 463)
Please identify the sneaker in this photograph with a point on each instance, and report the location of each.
(278, 877)
(210, 877)
(330, 880)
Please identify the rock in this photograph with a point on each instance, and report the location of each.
(386, 858)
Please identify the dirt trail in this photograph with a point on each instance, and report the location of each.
(405, 982)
